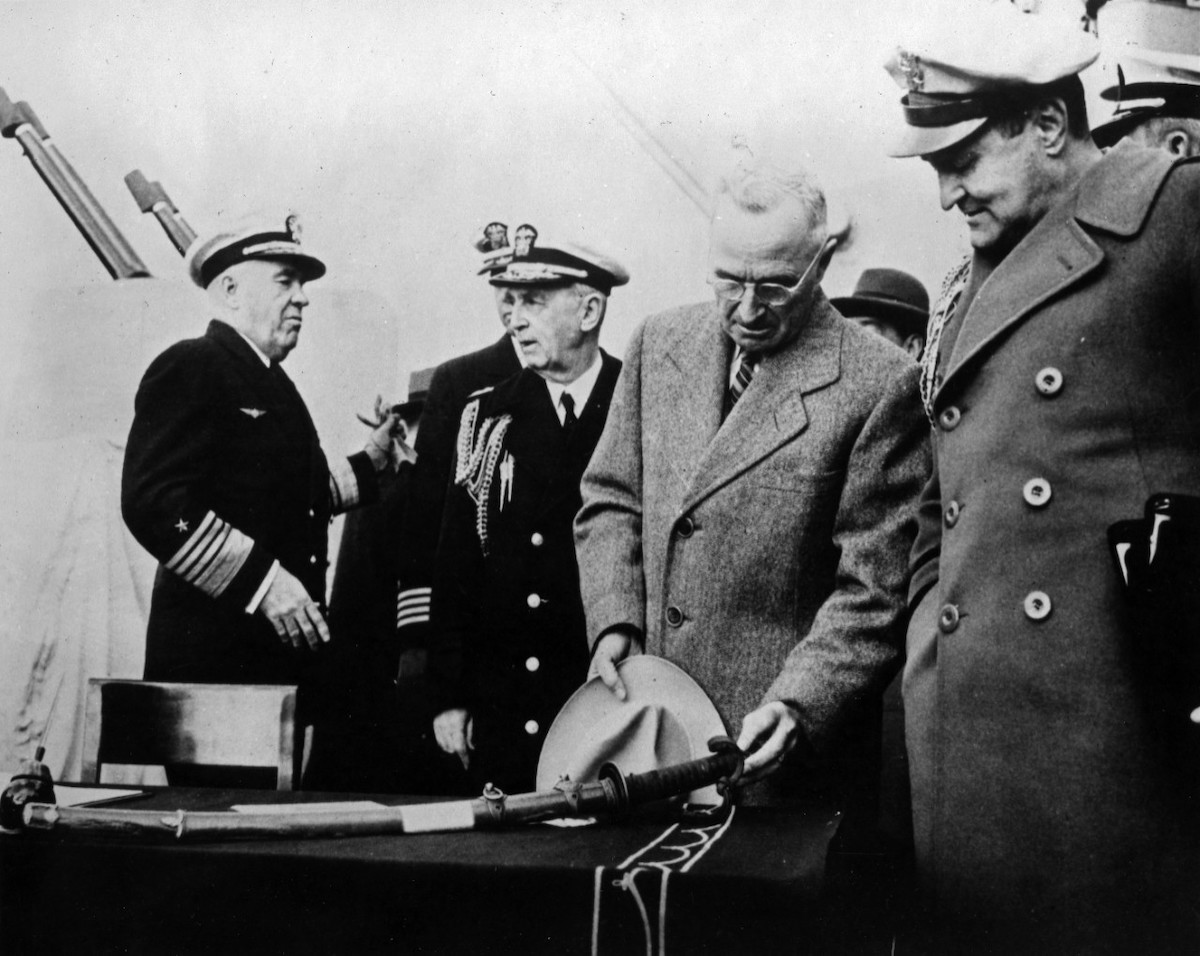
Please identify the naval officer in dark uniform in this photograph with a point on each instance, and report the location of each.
(225, 482)
(509, 642)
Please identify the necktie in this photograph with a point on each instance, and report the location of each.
(569, 416)
(741, 377)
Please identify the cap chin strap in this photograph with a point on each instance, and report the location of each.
(928, 110)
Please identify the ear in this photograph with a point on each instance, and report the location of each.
(1178, 143)
(1049, 122)
(593, 312)
(227, 290)
(824, 257)
(914, 345)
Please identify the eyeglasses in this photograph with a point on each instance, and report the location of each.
(768, 293)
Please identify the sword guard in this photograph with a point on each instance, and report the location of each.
(494, 799)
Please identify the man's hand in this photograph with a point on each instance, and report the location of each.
(768, 735)
(454, 731)
(294, 615)
(386, 444)
(611, 649)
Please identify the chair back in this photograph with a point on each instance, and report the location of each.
(148, 722)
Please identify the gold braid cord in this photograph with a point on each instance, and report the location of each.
(943, 311)
(479, 447)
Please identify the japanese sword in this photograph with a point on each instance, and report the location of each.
(18, 121)
(614, 794)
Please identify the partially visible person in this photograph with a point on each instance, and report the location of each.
(890, 303)
(1048, 766)
(1156, 114)
(749, 509)
(361, 749)
(509, 641)
(425, 769)
(225, 482)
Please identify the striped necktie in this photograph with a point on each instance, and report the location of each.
(741, 376)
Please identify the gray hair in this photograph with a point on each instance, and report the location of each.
(757, 186)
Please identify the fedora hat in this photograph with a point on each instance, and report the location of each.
(891, 296)
(665, 719)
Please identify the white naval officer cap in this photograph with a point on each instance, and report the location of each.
(960, 69)
(534, 260)
(254, 238)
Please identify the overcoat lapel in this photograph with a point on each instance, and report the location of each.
(1055, 255)
(688, 410)
(1114, 196)
(771, 412)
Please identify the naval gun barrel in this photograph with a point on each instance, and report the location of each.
(18, 121)
(152, 198)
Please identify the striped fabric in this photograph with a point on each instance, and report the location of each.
(212, 556)
(343, 486)
(741, 377)
(412, 606)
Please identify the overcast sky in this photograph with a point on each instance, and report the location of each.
(398, 129)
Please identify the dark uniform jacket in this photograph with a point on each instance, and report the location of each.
(1046, 795)
(223, 476)
(453, 382)
(509, 637)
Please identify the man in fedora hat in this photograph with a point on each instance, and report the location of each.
(508, 644)
(1060, 379)
(891, 303)
(747, 514)
(224, 479)
(368, 749)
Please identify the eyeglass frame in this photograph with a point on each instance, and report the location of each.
(786, 293)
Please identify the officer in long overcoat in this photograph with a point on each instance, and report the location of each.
(1054, 798)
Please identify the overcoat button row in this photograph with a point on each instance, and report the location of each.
(674, 616)
(1037, 605)
(950, 418)
(532, 664)
(952, 512)
(536, 539)
(1037, 492)
(684, 527)
(531, 727)
(534, 601)
(1049, 381)
(948, 619)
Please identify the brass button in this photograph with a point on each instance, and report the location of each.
(948, 619)
(531, 727)
(685, 527)
(1037, 605)
(311, 513)
(313, 559)
(950, 418)
(674, 616)
(536, 539)
(952, 512)
(1037, 492)
(534, 601)
(1049, 381)
(532, 664)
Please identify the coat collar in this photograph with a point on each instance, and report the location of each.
(771, 412)
(1115, 196)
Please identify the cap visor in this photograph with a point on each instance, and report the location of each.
(923, 140)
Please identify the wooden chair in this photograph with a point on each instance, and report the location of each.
(147, 723)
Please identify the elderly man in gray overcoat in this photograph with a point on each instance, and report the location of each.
(749, 507)
(1054, 787)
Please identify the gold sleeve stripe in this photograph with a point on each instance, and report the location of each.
(212, 556)
(343, 486)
